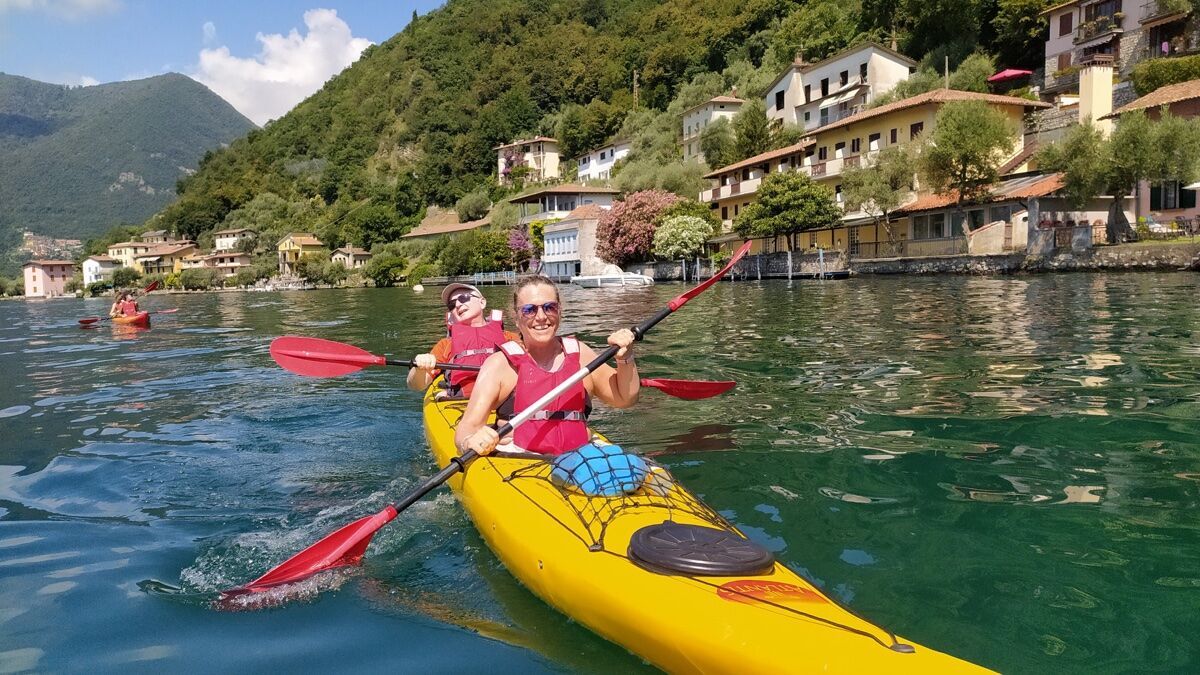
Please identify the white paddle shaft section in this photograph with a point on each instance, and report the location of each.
(545, 400)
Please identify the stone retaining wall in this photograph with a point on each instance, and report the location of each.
(1164, 257)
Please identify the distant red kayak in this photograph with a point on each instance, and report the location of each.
(141, 319)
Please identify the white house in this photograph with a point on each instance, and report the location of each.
(569, 246)
(558, 201)
(598, 164)
(812, 95)
(540, 154)
(228, 240)
(98, 267)
(350, 257)
(697, 119)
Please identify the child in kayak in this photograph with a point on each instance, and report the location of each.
(519, 374)
(473, 337)
(123, 305)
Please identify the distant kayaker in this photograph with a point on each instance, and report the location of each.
(473, 338)
(123, 305)
(519, 374)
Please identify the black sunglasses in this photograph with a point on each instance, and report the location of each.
(459, 298)
(530, 310)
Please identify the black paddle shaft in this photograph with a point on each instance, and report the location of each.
(460, 463)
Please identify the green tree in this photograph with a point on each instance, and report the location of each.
(199, 278)
(695, 209)
(385, 269)
(752, 129)
(788, 202)
(476, 251)
(881, 187)
(473, 205)
(1020, 32)
(816, 30)
(1084, 158)
(970, 141)
(681, 237)
(972, 74)
(124, 277)
(245, 277)
(717, 144)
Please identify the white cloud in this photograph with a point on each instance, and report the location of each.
(86, 81)
(210, 32)
(66, 9)
(286, 70)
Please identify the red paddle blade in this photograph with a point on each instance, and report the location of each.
(166, 311)
(344, 547)
(153, 285)
(689, 390)
(314, 357)
(700, 288)
(89, 320)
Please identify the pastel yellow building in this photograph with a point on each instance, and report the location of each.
(849, 142)
(126, 252)
(164, 258)
(293, 247)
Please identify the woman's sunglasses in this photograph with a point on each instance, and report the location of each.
(460, 298)
(529, 311)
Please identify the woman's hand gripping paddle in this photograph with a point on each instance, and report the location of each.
(347, 545)
(314, 357)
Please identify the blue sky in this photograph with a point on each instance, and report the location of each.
(215, 41)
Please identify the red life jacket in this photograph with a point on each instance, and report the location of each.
(128, 308)
(470, 346)
(562, 425)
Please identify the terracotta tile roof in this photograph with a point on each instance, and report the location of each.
(1172, 93)
(154, 233)
(49, 262)
(760, 158)
(127, 244)
(233, 231)
(569, 188)
(101, 258)
(302, 238)
(937, 96)
(1021, 187)
(586, 212)
(431, 229)
(1057, 6)
(806, 67)
(167, 249)
(535, 139)
(351, 250)
(1026, 153)
(715, 99)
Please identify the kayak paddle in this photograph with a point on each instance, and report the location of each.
(149, 287)
(314, 357)
(93, 319)
(347, 545)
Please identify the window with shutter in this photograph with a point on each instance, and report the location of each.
(1064, 24)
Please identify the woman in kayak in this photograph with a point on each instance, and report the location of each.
(519, 374)
(473, 337)
(123, 305)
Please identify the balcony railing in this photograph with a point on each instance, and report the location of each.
(910, 248)
(1097, 27)
(1159, 9)
(852, 160)
(817, 169)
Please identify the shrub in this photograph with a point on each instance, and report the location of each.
(385, 269)
(125, 276)
(1155, 73)
(473, 205)
(199, 278)
(681, 237)
(625, 232)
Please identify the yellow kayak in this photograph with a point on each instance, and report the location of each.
(594, 559)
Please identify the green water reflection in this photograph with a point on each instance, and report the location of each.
(1007, 469)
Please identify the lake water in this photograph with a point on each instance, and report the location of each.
(1006, 469)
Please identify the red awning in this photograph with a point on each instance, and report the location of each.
(1009, 74)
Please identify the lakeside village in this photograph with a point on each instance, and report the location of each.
(1066, 168)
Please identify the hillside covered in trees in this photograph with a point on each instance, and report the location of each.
(74, 161)
(414, 121)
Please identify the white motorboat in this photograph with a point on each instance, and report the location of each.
(612, 276)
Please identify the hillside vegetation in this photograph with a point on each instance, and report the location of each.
(414, 121)
(78, 160)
